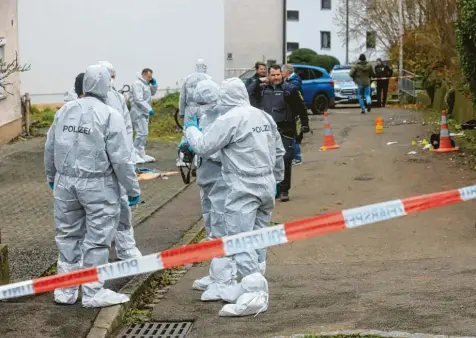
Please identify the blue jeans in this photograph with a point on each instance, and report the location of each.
(297, 151)
(364, 91)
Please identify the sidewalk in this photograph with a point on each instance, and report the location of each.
(415, 274)
(26, 211)
(40, 317)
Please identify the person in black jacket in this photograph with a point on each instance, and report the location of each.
(284, 103)
(253, 84)
(382, 70)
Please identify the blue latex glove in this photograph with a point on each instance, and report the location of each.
(52, 185)
(151, 112)
(185, 143)
(192, 123)
(133, 200)
(153, 82)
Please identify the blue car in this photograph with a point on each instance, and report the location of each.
(317, 87)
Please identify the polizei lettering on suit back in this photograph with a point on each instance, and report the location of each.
(77, 129)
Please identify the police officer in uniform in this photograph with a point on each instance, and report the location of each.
(284, 103)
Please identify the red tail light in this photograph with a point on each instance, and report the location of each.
(332, 83)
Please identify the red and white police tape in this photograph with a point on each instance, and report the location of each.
(230, 245)
(393, 77)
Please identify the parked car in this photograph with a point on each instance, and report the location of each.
(346, 91)
(317, 87)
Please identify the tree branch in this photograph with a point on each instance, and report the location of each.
(9, 68)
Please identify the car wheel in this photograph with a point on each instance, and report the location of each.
(320, 104)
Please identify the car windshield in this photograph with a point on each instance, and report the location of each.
(248, 74)
(341, 76)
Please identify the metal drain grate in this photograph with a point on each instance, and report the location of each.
(157, 330)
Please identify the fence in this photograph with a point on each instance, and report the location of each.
(461, 108)
(406, 83)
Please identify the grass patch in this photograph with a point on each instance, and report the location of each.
(162, 126)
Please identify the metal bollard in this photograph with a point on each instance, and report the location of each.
(4, 267)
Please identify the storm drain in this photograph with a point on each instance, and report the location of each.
(157, 330)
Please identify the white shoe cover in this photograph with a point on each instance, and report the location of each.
(149, 159)
(202, 283)
(223, 275)
(137, 159)
(128, 254)
(104, 298)
(69, 295)
(254, 300)
(251, 283)
(250, 303)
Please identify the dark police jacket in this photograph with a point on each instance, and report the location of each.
(383, 71)
(253, 88)
(284, 103)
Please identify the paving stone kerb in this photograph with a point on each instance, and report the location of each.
(374, 333)
(26, 211)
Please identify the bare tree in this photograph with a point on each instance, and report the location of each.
(9, 68)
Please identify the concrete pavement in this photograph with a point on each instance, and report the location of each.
(40, 317)
(414, 274)
(26, 211)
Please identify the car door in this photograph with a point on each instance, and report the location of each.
(322, 83)
(307, 92)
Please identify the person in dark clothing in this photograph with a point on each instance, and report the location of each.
(382, 70)
(284, 103)
(253, 84)
(362, 73)
(294, 80)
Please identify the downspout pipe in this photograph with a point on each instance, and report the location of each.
(285, 19)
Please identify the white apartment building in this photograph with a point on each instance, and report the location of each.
(61, 38)
(10, 104)
(253, 32)
(312, 24)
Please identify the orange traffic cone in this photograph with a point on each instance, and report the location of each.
(445, 142)
(329, 142)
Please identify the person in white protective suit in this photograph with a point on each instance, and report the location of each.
(87, 160)
(188, 107)
(126, 247)
(141, 109)
(252, 153)
(209, 177)
(77, 91)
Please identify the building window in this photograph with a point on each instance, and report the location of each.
(326, 4)
(229, 56)
(325, 40)
(292, 46)
(293, 15)
(371, 40)
(270, 62)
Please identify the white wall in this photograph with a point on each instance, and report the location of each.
(10, 104)
(253, 31)
(313, 20)
(61, 38)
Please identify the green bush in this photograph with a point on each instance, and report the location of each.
(325, 61)
(302, 56)
(466, 42)
(307, 56)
